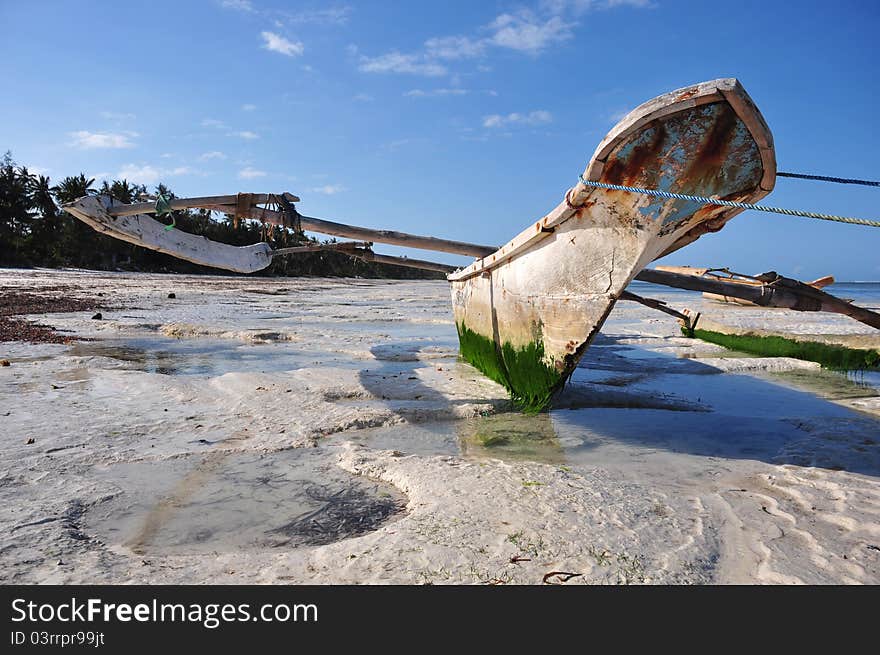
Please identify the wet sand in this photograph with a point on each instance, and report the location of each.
(311, 430)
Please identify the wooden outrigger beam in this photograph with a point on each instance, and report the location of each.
(232, 205)
(368, 255)
(686, 320)
(187, 203)
(781, 292)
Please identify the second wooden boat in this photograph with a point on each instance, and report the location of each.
(728, 276)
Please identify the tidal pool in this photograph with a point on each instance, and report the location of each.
(223, 502)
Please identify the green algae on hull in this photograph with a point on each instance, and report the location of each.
(522, 371)
(829, 356)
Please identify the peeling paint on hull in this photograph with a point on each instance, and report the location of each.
(535, 306)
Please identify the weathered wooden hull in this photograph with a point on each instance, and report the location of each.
(527, 313)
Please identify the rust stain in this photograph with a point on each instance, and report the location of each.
(629, 171)
(711, 155)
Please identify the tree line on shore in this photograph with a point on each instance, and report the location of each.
(35, 231)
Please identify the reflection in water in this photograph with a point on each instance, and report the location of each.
(232, 501)
(207, 357)
(833, 385)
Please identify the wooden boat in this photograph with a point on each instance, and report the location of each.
(526, 312)
(729, 276)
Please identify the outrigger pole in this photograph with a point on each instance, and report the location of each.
(774, 291)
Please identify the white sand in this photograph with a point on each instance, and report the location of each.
(655, 468)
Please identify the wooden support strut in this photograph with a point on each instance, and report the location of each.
(659, 305)
(368, 255)
(781, 292)
(344, 247)
(230, 205)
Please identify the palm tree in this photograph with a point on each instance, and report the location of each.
(41, 196)
(73, 187)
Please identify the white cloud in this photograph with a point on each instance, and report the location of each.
(537, 117)
(248, 107)
(364, 97)
(245, 134)
(526, 32)
(238, 5)
(419, 93)
(249, 173)
(328, 16)
(214, 154)
(454, 47)
(213, 122)
(329, 189)
(277, 43)
(146, 174)
(88, 140)
(396, 62)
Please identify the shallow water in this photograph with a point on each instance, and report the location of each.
(668, 424)
(233, 501)
(207, 357)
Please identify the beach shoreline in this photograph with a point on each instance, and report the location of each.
(666, 460)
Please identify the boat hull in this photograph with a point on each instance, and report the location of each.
(526, 314)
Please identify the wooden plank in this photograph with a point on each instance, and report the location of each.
(346, 245)
(783, 292)
(186, 203)
(659, 305)
(227, 204)
(370, 256)
(376, 236)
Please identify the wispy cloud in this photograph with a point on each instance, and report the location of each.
(454, 47)
(89, 140)
(213, 122)
(214, 154)
(248, 107)
(238, 5)
(617, 115)
(329, 189)
(396, 62)
(364, 97)
(249, 173)
(537, 117)
(147, 174)
(529, 31)
(244, 134)
(277, 43)
(117, 116)
(337, 15)
(432, 93)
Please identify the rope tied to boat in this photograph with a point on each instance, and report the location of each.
(658, 193)
(163, 207)
(827, 178)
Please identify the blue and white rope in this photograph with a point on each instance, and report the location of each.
(826, 178)
(657, 193)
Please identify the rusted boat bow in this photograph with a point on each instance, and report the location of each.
(526, 312)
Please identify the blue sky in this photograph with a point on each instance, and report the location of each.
(465, 120)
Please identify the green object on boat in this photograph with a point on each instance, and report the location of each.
(163, 206)
(528, 379)
(830, 356)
